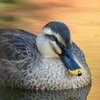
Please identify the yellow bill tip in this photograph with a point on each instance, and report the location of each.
(77, 72)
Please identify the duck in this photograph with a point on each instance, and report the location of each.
(47, 61)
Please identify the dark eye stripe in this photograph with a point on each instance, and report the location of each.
(60, 45)
(52, 37)
(54, 49)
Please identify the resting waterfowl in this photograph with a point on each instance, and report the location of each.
(49, 61)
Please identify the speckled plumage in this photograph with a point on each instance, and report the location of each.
(22, 66)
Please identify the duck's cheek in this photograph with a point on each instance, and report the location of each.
(55, 48)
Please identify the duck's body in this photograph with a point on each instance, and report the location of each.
(23, 66)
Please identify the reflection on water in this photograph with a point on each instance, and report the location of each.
(83, 20)
(7, 19)
(7, 93)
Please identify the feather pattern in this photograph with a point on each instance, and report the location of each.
(22, 66)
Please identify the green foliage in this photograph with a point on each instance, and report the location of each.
(7, 19)
(8, 1)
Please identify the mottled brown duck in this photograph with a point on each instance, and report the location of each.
(49, 61)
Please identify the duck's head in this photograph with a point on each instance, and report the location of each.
(54, 40)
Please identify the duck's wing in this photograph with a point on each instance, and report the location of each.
(78, 53)
(17, 54)
(16, 44)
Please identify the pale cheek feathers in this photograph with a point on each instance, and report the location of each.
(48, 51)
(56, 47)
(45, 47)
(47, 31)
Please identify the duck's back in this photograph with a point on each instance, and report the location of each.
(17, 48)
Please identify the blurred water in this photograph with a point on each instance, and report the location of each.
(7, 93)
(83, 20)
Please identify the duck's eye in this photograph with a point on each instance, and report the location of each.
(53, 38)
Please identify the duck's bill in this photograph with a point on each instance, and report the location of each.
(70, 63)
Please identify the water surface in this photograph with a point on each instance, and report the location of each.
(83, 20)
